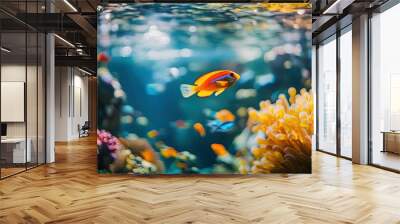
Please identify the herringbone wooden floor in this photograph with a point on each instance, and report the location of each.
(70, 191)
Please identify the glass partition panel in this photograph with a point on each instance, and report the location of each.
(22, 88)
(14, 153)
(346, 94)
(31, 98)
(327, 96)
(41, 86)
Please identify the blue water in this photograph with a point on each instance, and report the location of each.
(154, 48)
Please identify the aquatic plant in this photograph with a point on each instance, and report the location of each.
(286, 128)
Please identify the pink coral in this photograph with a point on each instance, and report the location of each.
(112, 142)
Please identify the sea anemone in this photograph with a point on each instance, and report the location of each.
(285, 128)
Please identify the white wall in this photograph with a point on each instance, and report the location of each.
(14, 73)
(71, 102)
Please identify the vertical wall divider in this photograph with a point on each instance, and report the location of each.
(37, 89)
(26, 86)
(1, 166)
(369, 101)
(317, 97)
(338, 100)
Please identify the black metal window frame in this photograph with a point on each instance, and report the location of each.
(389, 4)
(334, 37)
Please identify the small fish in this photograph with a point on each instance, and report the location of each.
(200, 129)
(169, 152)
(102, 57)
(152, 134)
(224, 115)
(218, 126)
(148, 155)
(219, 149)
(213, 82)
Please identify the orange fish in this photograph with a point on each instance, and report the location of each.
(200, 129)
(224, 115)
(213, 82)
(219, 149)
(152, 134)
(148, 155)
(169, 152)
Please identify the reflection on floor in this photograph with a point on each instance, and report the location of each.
(387, 159)
(10, 169)
(71, 191)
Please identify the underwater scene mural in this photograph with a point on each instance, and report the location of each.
(206, 88)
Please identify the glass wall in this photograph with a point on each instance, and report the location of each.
(22, 89)
(13, 86)
(327, 96)
(346, 92)
(385, 89)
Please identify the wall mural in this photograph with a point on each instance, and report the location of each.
(204, 88)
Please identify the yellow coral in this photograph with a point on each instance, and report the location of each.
(287, 126)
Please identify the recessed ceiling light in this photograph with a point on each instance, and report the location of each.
(65, 41)
(5, 50)
(84, 71)
(70, 5)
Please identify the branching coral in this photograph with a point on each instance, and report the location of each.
(286, 127)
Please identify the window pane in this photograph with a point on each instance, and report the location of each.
(385, 86)
(327, 97)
